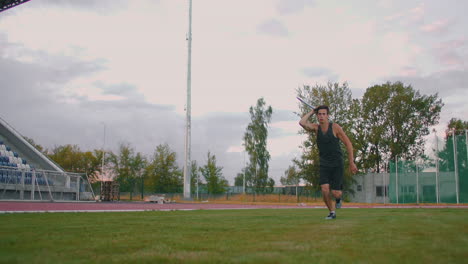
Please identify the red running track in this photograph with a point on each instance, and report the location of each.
(30, 207)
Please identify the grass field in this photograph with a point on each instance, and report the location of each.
(237, 236)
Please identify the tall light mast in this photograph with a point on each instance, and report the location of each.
(187, 170)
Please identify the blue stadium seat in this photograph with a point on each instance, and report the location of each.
(28, 180)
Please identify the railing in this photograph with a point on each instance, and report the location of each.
(21, 184)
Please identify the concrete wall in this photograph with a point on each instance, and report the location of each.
(368, 185)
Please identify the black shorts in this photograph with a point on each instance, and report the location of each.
(332, 176)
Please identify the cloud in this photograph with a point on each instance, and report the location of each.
(416, 14)
(286, 7)
(101, 6)
(450, 52)
(273, 27)
(449, 85)
(439, 27)
(316, 71)
(121, 90)
(407, 16)
(409, 71)
(51, 120)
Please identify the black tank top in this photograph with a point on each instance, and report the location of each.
(329, 148)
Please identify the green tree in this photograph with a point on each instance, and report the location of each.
(70, 158)
(194, 177)
(455, 132)
(91, 164)
(344, 111)
(139, 163)
(239, 179)
(454, 151)
(128, 166)
(37, 146)
(396, 119)
(458, 125)
(291, 176)
(162, 174)
(213, 175)
(255, 143)
(270, 187)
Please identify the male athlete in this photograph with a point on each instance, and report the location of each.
(331, 157)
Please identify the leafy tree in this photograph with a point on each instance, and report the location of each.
(91, 164)
(213, 175)
(344, 111)
(194, 176)
(455, 132)
(162, 174)
(72, 159)
(37, 146)
(255, 143)
(128, 167)
(270, 187)
(458, 125)
(239, 179)
(396, 119)
(138, 165)
(291, 176)
(69, 157)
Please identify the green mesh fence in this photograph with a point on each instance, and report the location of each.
(442, 179)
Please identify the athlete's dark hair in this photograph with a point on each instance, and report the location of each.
(322, 107)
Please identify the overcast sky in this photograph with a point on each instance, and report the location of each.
(67, 67)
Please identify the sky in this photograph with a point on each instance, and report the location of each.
(101, 73)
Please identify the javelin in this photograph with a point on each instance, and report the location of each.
(304, 102)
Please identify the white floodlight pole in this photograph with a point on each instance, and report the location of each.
(384, 188)
(188, 110)
(437, 168)
(417, 182)
(103, 151)
(245, 170)
(103, 157)
(396, 177)
(455, 161)
(198, 179)
(466, 144)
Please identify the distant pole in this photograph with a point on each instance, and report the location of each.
(188, 110)
(297, 189)
(396, 177)
(437, 168)
(142, 176)
(103, 151)
(417, 182)
(455, 161)
(103, 158)
(243, 189)
(466, 145)
(384, 188)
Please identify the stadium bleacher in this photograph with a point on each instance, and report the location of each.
(28, 174)
(12, 165)
(8, 158)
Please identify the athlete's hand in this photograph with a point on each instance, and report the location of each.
(353, 168)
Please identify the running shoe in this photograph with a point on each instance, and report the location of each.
(330, 216)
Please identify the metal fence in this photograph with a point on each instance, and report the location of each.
(440, 179)
(20, 184)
